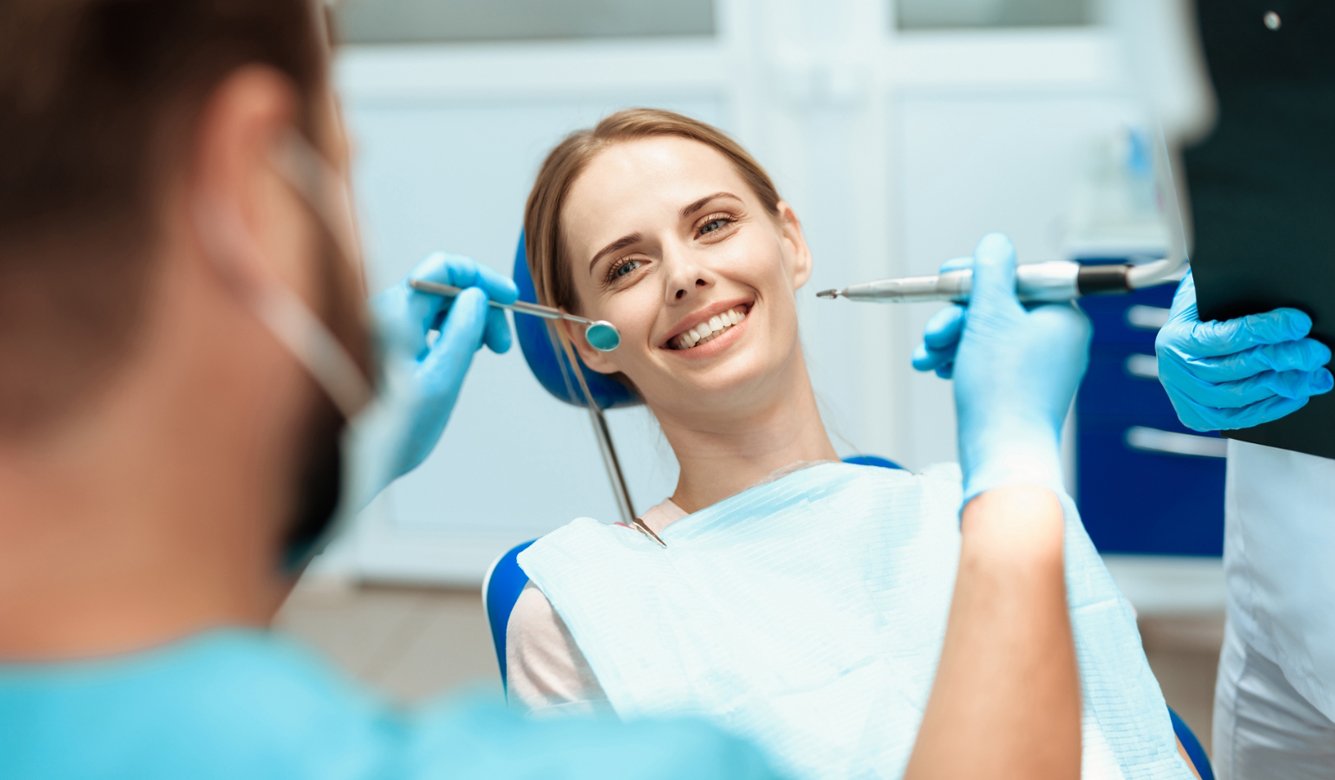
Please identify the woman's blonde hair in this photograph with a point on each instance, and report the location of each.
(543, 242)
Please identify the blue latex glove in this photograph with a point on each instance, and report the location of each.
(1016, 369)
(424, 376)
(1228, 374)
(941, 337)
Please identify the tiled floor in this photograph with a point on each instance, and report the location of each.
(1184, 654)
(408, 643)
(413, 643)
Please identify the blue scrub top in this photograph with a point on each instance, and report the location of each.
(247, 704)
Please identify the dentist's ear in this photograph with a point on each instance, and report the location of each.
(233, 195)
(594, 359)
(794, 244)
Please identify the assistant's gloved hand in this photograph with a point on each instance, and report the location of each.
(1228, 374)
(423, 376)
(1016, 369)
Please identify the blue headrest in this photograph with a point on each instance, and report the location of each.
(547, 360)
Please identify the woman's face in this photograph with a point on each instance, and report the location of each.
(668, 242)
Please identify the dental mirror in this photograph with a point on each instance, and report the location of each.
(600, 334)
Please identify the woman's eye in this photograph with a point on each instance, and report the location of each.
(624, 268)
(715, 224)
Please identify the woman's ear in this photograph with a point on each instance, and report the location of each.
(795, 244)
(594, 359)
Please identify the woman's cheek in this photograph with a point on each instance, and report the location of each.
(634, 316)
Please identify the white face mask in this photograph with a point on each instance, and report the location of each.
(365, 403)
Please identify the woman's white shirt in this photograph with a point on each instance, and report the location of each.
(547, 674)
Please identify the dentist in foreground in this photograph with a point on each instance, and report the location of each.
(193, 394)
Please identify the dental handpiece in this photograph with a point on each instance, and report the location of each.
(1058, 280)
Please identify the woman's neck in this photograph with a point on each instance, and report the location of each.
(723, 455)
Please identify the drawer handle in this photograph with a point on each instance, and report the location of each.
(1143, 366)
(1146, 317)
(1172, 443)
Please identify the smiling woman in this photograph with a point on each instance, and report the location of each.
(668, 228)
(799, 600)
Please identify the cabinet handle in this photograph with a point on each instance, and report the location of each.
(1143, 366)
(1173, 443)
(1146, 317)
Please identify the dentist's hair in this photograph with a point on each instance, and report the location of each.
(98, 103)
(543, 243)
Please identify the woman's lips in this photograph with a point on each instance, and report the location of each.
(720, 341)
(702, 316)
(710, 329)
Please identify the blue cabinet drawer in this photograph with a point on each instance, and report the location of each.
(1148, 490)
(1131, 320)
(1123, 385)
(1144, 483)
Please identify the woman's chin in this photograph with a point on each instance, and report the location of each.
(726, 386)
(739, 368)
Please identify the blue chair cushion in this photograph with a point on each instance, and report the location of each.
(1192, 745)
(500, 591)
(548, 361)
(872, 460)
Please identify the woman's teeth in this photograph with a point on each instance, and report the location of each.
(709, 330)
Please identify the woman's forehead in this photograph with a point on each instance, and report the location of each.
(646, 179)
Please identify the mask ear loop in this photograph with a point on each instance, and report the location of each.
(285, 315)
(302, 167)
(291, 322)
(604, 437)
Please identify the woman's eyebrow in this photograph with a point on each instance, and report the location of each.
(615, 246)
(696, 205)
(688, 210)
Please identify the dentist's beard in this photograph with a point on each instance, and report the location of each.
(319, 452)
(319, 480)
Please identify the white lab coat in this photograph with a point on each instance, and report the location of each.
(1275, 699)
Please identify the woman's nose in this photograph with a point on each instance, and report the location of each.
(682, 291)
(687, 275)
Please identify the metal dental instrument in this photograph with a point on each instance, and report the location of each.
(1053, 281)
(601, 334)
(1057, 280)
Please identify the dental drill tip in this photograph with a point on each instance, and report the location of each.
(828, 293)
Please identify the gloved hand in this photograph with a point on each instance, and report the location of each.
(1016, 369)
(423, 376)
(1227, 374)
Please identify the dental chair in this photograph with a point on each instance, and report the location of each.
(505, 580)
